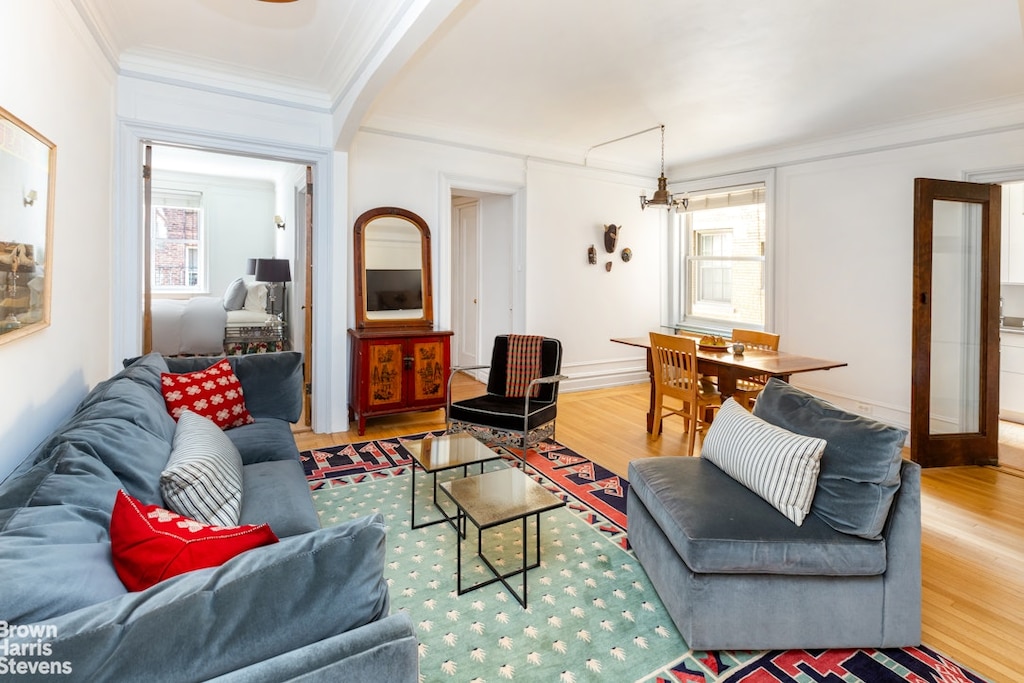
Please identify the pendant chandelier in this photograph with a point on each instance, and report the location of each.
(662, 197)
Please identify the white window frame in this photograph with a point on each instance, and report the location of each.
(709, 259)
(675, 268)
(180, 199)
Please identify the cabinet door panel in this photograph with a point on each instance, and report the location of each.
(384, 370)
(1011, 359)
(429, 372)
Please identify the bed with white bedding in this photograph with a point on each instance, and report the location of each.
(189, 326)
(209, 325)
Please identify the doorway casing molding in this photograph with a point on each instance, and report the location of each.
(1005, 174)
(329, 282)
(442, 255)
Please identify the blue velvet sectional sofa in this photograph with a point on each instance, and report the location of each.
(313, 606)
(736, 574)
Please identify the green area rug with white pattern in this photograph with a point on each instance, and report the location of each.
(592, 613)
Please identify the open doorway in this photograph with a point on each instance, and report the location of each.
(1011, 312)
(482, 273)
(1011, 327)
(227, 253)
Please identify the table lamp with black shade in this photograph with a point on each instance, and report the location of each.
(274, 271)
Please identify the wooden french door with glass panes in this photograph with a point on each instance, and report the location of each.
(955, 388)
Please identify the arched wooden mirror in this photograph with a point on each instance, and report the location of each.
(392, 270)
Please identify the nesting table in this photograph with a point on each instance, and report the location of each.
(445, 453)
(494, 498)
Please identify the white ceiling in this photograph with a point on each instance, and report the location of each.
(310, 45)
(554, 78)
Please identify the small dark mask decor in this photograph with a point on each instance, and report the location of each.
(611, 236)
(592, 255)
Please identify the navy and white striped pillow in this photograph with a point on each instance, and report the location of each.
(203, 477)
(776, 464)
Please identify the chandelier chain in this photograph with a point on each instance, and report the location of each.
(663, 149)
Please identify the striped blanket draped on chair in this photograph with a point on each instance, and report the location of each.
(523, 364)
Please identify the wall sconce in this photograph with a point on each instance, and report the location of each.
(30, 198)
(279, 222)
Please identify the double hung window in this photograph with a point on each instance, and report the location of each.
(719, 262)
(179, 242)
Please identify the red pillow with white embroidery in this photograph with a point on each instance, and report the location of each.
(150, 544)
(214, 393)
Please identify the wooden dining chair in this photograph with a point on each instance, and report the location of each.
(674, 362)
(748, 388)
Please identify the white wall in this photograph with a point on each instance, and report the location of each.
(584, 305)
(239, 221)
(413, 175)
(496, 239)
(845, 259)
(224, 122)
(843, 252)
(566, 209)
(57, 81)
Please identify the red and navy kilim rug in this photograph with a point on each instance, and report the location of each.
(589, 483)
(599, 496)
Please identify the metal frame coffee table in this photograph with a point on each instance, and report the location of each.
(492, 499)
(443, 453)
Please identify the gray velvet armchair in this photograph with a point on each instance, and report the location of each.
(736, 574)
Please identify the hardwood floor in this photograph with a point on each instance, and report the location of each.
(1011, 444)
(972, 521)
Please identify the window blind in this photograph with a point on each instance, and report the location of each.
(183, 199)
(720, 199)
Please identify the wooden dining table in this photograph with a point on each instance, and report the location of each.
(729, 367)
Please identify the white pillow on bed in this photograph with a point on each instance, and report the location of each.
(256, 297)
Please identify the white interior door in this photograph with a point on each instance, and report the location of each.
(466, 280)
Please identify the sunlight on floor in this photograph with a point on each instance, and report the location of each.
(1011, 444)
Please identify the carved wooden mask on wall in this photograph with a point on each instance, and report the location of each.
(611, 236)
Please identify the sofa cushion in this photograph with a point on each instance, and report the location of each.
(776, 464)
(272, 381)
(203, 477)
(255, 606)
(150, 544)
(146, 370)
(55, 554)
(502, 413)
(860, 469)
(718, 526)
(263, 440)
(277, 493)
(124, 424)
(213, 392)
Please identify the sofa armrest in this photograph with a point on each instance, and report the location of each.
(257, 606)
(902, 579)
(384, 650)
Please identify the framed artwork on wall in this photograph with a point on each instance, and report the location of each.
(27, 168)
